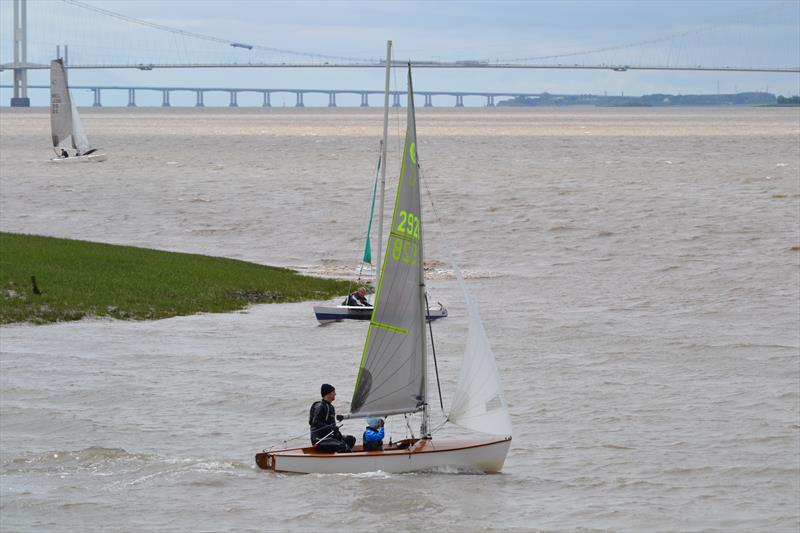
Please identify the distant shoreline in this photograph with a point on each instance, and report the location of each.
(456, 101)
(342, 109)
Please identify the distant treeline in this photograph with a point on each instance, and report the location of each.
(790, 100)
(653, 100)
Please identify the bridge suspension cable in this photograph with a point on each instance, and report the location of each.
(210, 38)
(616, 47)
(664, 38)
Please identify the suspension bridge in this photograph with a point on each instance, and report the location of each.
(21, 66)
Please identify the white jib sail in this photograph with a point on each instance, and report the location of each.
(479, 403)
(78, 134)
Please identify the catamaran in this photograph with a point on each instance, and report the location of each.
(65, 123)
(393, 377)
(333, 313)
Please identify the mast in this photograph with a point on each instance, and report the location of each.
(383, 157)
(421, 265)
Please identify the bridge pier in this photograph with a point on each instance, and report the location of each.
(165, 98)
(234, 102)
(459, 100)
(20, 97)
(131, 98)
(97, 102)
(200, 102)
(299, 99)
(396, 100)
(331, 99)
(266, 100)
(428, 100)
(364, 100)
(490, 101)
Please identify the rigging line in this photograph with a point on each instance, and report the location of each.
(671, 36)
(204, 37)
(433, 347)
(283, 443)
(408, 425)
(616, 47)
(449, 251)
(440, 426)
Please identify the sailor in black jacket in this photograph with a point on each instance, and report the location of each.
(322, 419)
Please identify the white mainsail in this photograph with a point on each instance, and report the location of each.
(65, 123)
(79, 140)
(391, 379)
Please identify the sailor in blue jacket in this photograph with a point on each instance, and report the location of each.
(373, 435)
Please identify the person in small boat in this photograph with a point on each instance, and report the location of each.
(325, 435)
(373, 435)
(357, 298)
(64, 153)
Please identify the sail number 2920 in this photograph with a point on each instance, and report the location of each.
(402, 249)
(409, 224)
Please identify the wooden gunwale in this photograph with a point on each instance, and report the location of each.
(413, 449)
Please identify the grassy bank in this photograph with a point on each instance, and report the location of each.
(77, 279)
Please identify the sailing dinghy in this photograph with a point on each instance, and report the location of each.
(392, 378)
(65, 123)
(334, 313)
(326, 314)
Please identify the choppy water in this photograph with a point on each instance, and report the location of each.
(637, 270)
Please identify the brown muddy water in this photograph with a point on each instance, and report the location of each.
(637, 271)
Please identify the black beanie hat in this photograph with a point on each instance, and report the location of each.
(326, 388)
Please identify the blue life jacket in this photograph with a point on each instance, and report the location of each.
(373, 439)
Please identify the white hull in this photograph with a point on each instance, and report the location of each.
(91, 158)
(334, 313)
(424, 455)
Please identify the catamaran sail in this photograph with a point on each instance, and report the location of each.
(65, 122)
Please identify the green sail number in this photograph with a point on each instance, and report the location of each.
(404, 250)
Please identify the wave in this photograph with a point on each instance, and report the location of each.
(215, 231)
(448, 273)
(86, 458)
(100, 461)
(688, 471)
(558, 228)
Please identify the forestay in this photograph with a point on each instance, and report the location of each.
(479, 403)
(65, 124)
(391, 378)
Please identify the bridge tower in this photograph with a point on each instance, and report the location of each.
(20, 98)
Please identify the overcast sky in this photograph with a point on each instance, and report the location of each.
(710, 33)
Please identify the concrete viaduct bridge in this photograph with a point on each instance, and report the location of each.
(299, 94)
